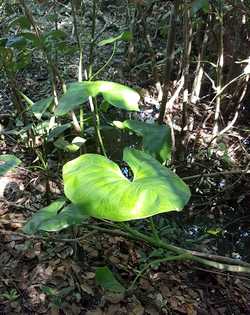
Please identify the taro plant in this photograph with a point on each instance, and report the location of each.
(97, 188)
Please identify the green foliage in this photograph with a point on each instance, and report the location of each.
(106, 279)
(20, 21)
(99, 188)
(57, 131)
(156, 138)
(66, 146)
(115, 94)
(11, 295)
(40, 107)
(8, 162)
(56, 296)
(54, 217)
(198, 5)
(125, 36)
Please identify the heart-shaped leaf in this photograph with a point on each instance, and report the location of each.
(98, 187)
(156, 138)
(7, 162)
(51, 220)
(115, 94)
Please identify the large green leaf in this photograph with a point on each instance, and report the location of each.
(156, 138)
(7, 162)
(116, 94)
(98, 187)
(50, 219)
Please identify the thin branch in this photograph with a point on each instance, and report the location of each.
(245, 171)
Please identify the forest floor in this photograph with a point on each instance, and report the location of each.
(49, 276)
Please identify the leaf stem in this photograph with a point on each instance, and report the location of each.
(158, 261)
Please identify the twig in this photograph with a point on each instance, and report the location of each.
(47, 238)
(246, 171)
(16, 205)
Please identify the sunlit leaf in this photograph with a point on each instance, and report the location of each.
(214, 231)
(125, 36)
(115, 94)
(8, 162)
(98, 187)
(156, 138)
(79, 141)
(105, 278)
(119, 95)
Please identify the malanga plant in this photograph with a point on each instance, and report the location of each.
(96, 186)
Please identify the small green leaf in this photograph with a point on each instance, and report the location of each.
(106, 279)
(40, 107)
(8, 162)
(64, 145)
(99, 188)
(214, 231)
(21, 21)
(57, 131)
(125, 36)
(68, 216)
(115, 94)
(156, 138)
(43, 215)
(51, 219)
